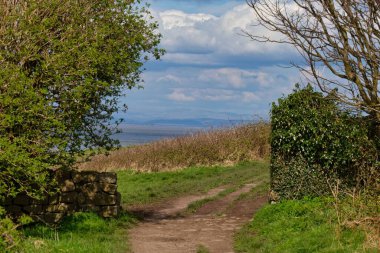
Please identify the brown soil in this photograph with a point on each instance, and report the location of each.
(164, 230)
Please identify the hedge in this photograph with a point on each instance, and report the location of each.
(315, 144)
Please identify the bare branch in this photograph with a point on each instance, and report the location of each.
(342, 36)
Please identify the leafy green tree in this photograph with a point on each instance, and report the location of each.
(64, 65)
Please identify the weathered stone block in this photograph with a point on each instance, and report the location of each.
(14, 209)
(52, 208)
(90, 188)
(22, 200)
(108, 177)
(85, 176)
(43, 201)
(62, 175)
(108, 188)
(58, 208)
(33, 209)
(67, 186)
(109, 211)
(7, 202)
(81, 198)
(89, 208)
(69, 197)
(104, 199)
(118, 198)
(54, 199)
(52, 218)
(70, 208)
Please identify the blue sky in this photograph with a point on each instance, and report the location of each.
(211, 70)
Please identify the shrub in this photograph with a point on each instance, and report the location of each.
(64, 66)
(9, 235)
(314, 141)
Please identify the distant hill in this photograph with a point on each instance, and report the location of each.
(196, 122)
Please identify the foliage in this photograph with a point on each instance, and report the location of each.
(312, 141)
(307, 225)
(10, 237)
(226, 146)
(8, 233)
(64, 65)
(295, 179)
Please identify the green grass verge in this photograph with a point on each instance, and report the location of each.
(142, 188)
(298, 226)
(79, 233)
(86, 232)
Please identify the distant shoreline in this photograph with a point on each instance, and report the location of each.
(133, 134)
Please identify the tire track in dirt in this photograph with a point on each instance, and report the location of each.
(163, 230)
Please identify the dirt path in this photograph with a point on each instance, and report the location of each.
(163, 230)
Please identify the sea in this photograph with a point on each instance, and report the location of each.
(141, 134)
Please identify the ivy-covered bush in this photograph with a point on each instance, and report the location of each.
(314, 143)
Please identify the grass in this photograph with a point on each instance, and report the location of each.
(86, 232)
(194, 206)
(262, 187)
(79, 233)
(202, 249)
(259, 190)
(308, 225)
(218, 147)
(142, 188)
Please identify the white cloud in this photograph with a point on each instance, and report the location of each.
(211, 95)
(169, 79)
(188, 58)
(249, 97)
(210, 67)
(192, 94)
(241, 78)
(229, 76)
(176, 18)
(214, 94)
(185, 33)
(178, 95)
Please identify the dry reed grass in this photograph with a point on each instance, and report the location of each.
(215, 147)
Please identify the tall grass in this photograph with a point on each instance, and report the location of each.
(217, 147)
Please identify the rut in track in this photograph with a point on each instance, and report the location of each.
(163, 230)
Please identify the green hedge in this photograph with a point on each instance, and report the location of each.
(314, 143)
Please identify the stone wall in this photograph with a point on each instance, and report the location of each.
(85, 191)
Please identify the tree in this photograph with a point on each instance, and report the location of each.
(339, 36)
(64, 65)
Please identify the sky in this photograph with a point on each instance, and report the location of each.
(211, 69)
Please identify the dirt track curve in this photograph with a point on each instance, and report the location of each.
(164, 230)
